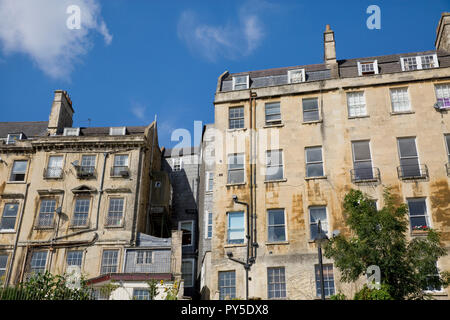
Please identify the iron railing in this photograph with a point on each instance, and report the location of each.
(53, 173)
(120, 171)
(415, 171)
(371, 174)
(85, 172)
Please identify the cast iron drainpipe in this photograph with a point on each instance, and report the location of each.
(248, 262)
(16, 240)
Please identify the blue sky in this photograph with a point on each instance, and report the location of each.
(133, 59)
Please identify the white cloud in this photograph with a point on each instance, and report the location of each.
(138, 110)
(238, 38)
(39, 30)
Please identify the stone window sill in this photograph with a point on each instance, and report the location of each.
(314, 178)
(277, 243)
(16, 182)
(359, 117)
(236, 184)
(279, 125)
(312, 122)
(7, 231)
(400, 113)
(273, 181)
(237, 245)
(236, 130)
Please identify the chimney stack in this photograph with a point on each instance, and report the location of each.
(61, 113)
(330, 51)
(443, 33)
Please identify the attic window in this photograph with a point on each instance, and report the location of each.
(241, 82)
(12, 137)
(419, 62)
(366, 68)
(296, 76)
(71, 132)
(117, 131)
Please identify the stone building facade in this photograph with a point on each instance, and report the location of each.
(79, 196)
(290, 142)
(182, 165)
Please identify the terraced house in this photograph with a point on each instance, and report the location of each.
(290, 142)
(90, 197)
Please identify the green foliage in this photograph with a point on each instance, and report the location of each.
(374, 294)
(107, 289)
(45, 286)
(379, 238)
(152, 288)
(338, 296)
(172, 292)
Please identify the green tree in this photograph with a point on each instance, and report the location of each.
(378, 237)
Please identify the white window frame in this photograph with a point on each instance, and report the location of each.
(20, 172)
(374, 64)
(108, 218)
(276, 121)
(72, 131)
(236, 119)
(285, 225)
(209, 186)
(409, 157)
(269, 165)
(359, 106)
(116, 265)
(419, 61)
(244, 240)
(192, 231)
(426, 215)
(365, 160)
(321, 222)
(82, 257)
(292, 79)
(314, 162)
(232, 155)
(3, 269)
(58, 168)
(9, 139)
(393, 90)
(247, 83)
(207, 224)
(46, 260)
(192, 262)
(145, 254)
(15, 218)
(284, 292)
(117, 131)
(443, 88)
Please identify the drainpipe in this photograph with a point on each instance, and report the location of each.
(137, 200)
(58, 212)
(16, 240)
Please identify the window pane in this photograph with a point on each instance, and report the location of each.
(328, 280)
(314, 170)
(20, 166)
(38, 261)
(236, 161)
(9, 216)
(46, 212)
(115, 212)
(407, 147)
(417, 207)
(74, 258)
(276, 217)
(109, 261)
(141, 294)
(356, 104)
(314, 154)
(227, 285)
(187, 272)
(236, 227)
(276, 283)
(361, 150)
(187, 228)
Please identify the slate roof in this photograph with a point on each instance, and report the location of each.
(30, 128)
(348, 68)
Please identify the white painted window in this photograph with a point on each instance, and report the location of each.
(227, 285)
(46, 213)
(316, 214)
(74, 258)
(54, 167)
(419, 62)
(274, 165)
(418, 216)
(236, 117)
(400, 100)
(273, 113)
(209, 225)
(366, 68)
(144, 256)
(19, 170)
(236, 227)
(310, 109)
(314, 162)
(276, 283)
(110, 260)
(328, 280)
(38, 261)
(141, 294)
(356, 104)
(117, 131)
(71, 132)
(362, 160)
(409, 158)
(187, 272)
(276, 225)
(188, 232)
(443, 95)
(87, 164)
(120, 166)
(13, 137)
(236, 168)
(209, 181)
(81, 212)
(241, 82)
(296, 76)
(115, 212)
(9, 216)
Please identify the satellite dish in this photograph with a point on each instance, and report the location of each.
(336, 233)
(75, 163)
(73, 277)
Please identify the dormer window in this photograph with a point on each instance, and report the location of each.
(419, 62)
(241, 82)
(368, 67)
(117, 131)
(296, 76)
(71, 132)
(13, 137)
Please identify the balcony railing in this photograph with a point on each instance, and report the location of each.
(447, 167)
(415, 171)
(120, 171)
(371, 174)
(53, 173)
(86, 172)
